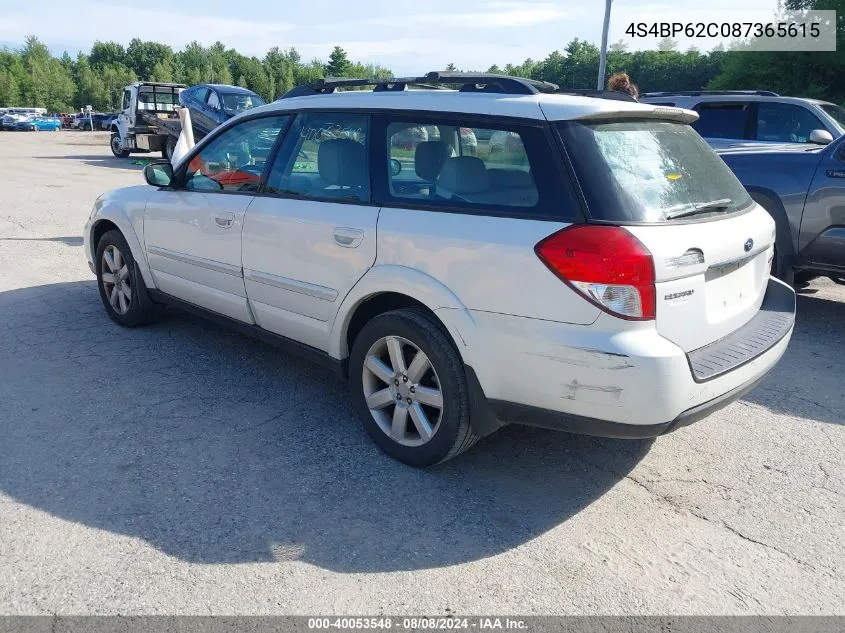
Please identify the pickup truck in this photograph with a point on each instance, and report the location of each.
(803, 188)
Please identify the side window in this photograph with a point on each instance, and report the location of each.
(722, 120)
(213, 100)
(452, 164)
(324, 156)
(234, 161)
(785, 123)
(127, 99)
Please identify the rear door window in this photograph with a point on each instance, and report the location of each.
(649, 171)
(455, 163)
(722, 120)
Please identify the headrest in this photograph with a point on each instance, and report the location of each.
(464, 174)
(342, 162)
(430, 157)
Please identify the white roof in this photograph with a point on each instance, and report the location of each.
(554, 107)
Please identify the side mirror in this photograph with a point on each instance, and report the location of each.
(395, 167)
(821, 137)
(159, 174)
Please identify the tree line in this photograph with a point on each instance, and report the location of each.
(32, 76)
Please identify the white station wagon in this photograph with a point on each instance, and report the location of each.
(468, 251)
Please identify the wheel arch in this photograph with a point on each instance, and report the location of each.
(389, 287)
(772, 203)
(109, 218)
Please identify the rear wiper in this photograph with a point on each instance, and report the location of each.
(702, 207)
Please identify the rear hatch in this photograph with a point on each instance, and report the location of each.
(711, 244)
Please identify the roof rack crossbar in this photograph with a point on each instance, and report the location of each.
(699, 93)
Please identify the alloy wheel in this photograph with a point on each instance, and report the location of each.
(115, 276)
(402, 391)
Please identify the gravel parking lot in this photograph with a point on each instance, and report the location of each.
(181, 468)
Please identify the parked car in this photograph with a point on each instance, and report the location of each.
(106, 121)
(624, 294)
(213, 104)
(37, 123)
(803, 189)
(757, 115)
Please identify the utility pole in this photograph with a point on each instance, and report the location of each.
(603, 54)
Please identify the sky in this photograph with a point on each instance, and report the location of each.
(407, 36)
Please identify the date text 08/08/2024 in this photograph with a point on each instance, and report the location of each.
(417, 623)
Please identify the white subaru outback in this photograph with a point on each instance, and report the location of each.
(491, 252)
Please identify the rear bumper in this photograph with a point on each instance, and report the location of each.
(617, 379)
(557, 421)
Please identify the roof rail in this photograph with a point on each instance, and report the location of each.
(467, 82)
(699, 93)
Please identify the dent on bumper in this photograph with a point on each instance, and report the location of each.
(650, 389)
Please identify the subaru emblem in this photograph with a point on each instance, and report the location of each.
(749, 244)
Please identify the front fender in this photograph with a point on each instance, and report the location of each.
(126, 213)
(411, 283)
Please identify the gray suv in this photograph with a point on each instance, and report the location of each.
(757, 116)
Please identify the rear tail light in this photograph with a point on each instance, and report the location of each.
(606, 265)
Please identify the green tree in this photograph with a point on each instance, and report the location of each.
(339, 64)
(667, 44)
(144, 57)
(106, 54)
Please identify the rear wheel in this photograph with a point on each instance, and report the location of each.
(782, 266)
(116, 149)
(409, 388)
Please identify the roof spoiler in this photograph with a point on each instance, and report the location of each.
(662, 113)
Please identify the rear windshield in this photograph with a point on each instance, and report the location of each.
(649, 171)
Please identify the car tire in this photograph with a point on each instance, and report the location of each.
(114, 143)
(124, 294)
(782, 267)
(397, 399)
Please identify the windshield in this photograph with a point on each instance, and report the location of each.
(235, 103)
(837, 113)
(649, 171)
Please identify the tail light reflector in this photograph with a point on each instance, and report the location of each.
(606, 265)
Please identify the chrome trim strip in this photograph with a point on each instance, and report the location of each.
(741, 258)
(292, 285)
(219, 267)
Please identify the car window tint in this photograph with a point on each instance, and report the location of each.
(785, 123)
(234, 161)
(323, 156)
(721, 120)
(447, 163)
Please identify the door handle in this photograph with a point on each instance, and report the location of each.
(225, 221)
(348, 238)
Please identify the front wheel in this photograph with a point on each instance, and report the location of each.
(121, 285)
(408, 385)
(116, 148)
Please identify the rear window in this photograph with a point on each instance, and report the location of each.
(649, 171)
(722, 120)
